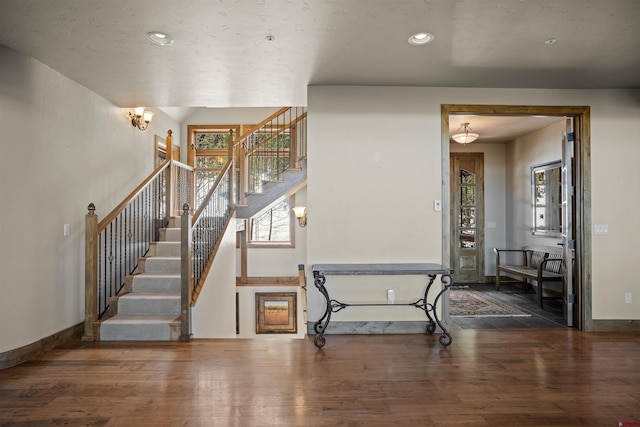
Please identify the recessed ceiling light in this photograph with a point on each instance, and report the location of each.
(550, 41)
(421, 38)
(158, 37)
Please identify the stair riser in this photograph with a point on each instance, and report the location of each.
(162, 284)
(136, 332)
(170, 235)
(135, 305)
(168, 249)
(174, 222)
(162, 265)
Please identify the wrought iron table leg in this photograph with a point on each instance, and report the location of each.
(445, 339)
(427, 307)
(321, 325)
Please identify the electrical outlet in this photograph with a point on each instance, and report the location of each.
(437, 205)
(627, 298)
(391, 296)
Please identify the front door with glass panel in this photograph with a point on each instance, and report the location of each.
(467, 217)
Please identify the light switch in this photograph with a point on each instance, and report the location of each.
(67, 229)
(437, 205)
(491, 224)
(601, 228)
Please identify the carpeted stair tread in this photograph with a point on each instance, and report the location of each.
(152, 304)
(151, 310)
(138, 328)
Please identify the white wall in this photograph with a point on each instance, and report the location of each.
(62, 147)
(536, 148)
(214, 314)
(494, 198)
(374, 170)
(373, 174)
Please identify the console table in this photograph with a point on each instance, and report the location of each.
(320, 271)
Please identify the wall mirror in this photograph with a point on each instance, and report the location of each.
(546, 197)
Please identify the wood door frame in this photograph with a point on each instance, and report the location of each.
(582, 126)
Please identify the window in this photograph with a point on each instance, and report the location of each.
(467, 214)
(208, 153)
(273, 227)
(547, 203)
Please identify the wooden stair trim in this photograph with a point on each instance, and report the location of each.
(27, 352)
(269, 281)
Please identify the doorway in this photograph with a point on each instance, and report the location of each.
(581, 282)
(467, 213)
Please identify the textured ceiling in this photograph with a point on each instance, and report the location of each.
(221, 56)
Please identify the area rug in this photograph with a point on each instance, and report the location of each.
(470, 303)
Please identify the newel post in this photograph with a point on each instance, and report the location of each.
(169, 190)
(90, 272)
(185, 274)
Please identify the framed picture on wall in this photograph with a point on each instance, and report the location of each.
(276, 313)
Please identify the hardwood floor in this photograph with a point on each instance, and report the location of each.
(517, 377)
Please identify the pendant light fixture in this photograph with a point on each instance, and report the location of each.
(465, 134)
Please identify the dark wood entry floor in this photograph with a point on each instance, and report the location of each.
(550, 317)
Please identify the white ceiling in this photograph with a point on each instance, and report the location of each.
(222, 58)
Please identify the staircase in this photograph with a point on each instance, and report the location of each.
(133, 280)
(291, 181)
(149, 307)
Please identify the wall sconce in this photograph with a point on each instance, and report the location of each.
(301, 214)
(140, 118)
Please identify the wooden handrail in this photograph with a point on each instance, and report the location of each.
(284, 127)
(111, 216)
(262, 123)
(184, 165)
(205, 201)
